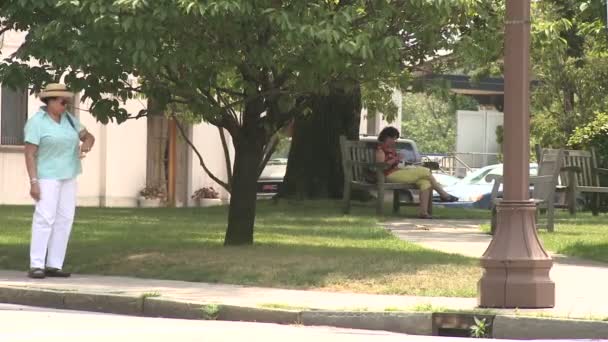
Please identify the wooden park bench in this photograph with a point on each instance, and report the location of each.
(581, 176)
(544, 186)
(362, 172)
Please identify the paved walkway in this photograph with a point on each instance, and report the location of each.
(231, 294)
(581, 286)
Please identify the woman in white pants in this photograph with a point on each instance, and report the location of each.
(52, 157)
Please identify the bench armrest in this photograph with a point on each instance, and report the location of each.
(541, 179)
(494, 178)
(603, 171)
(431, 165)
(572, 169)
(381, 166)
(533, 179)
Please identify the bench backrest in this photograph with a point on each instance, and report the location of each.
(355, 154)
(550, 164)
(586, 162)
(549, 167)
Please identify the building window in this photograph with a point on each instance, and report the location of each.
(13, 115)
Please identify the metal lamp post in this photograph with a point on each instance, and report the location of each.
(516, 266)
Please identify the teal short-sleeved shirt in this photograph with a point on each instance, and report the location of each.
(58, 154)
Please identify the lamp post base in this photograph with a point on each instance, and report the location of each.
(516, 266)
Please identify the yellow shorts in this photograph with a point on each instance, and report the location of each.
(418, 175)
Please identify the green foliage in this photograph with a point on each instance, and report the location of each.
(569, 46)
(481, 329)
(210, 312)
(500, 139)
(500, 134)
(594, 134)
(218, 56)
(282, 149)
(568, 58)
(246, 66)
(480, 52)
(569, 98)
(430, 118)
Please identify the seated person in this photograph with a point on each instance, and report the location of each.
(410, 174)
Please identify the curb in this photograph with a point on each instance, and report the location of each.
(503, 327)
(543, 328)
(405, 323)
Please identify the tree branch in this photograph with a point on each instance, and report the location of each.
(129, 87)
(226, 154)
(230, 92)
(222, 104)
(200, 157)
(142, 114)
(268, 152)
(189, 96)
(4, 29)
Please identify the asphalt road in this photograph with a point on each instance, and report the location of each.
(22, 323)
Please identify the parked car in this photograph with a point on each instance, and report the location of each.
(271, 179)
(445, 180)
(474, 191)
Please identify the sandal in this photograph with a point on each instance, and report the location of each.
(36, 273)
(449, 199)
(57, 273)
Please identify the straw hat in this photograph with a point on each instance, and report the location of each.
(55, 90)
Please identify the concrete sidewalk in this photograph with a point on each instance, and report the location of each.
(231, 294)
(183, 300)
(580, 284)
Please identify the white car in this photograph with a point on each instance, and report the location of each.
(474, 190)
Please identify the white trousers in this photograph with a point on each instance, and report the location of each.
(52, 223)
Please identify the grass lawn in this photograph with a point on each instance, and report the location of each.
(583, 236)
(304, 245)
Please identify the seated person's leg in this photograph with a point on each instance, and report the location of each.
(420, 177)
(445, 197)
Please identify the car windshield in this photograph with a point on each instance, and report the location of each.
(281, 153)
(277, 161)
(479, 176)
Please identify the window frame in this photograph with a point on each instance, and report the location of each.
(25, 104)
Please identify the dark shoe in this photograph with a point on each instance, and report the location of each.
(36, 273)
(450, 199)
(57, 273)
(425, 217)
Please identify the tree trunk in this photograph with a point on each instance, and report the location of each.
(241, 214)
(314, 169)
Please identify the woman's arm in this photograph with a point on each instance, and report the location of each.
(31, 165)
(380, 156)
(88, 140)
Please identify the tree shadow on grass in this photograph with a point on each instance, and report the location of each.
(408, 270)
(310, 246)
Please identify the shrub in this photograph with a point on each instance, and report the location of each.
(206, 192)
(594, 134)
